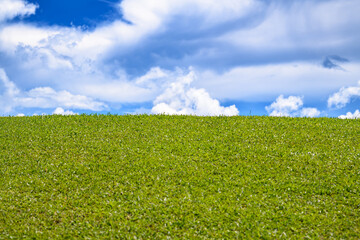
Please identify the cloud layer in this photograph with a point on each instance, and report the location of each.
(249, 50)
(11, 98)
(181, 99)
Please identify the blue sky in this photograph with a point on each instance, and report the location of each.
(86, 13)
(204, 57)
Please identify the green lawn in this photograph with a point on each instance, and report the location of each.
(158, 177)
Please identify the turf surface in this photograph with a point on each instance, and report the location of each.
(157, 177)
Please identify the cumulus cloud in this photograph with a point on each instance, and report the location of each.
(61, 111)
(180, 98)
(341, 98)
(42, 97)
(309, 112)
(349, 115)
(10, 9)
(284, 107)
(290, 107)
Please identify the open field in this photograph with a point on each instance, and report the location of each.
(153, 177)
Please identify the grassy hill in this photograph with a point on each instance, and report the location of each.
(156, 177)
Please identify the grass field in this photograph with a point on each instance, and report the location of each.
(157, 177)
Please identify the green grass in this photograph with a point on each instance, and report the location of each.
(157, 177)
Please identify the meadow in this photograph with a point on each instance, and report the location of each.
(179, 177)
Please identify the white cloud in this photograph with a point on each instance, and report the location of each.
(42, 97)
(284, 107)
(15, 36)
(309, 112)
(61, 111)
(10, 9)
(290, 107)
(349, 115)
(20, 115)
(180, 98)
(341, 98)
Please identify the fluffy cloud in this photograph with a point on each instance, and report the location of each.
(61, 111)
(341, 98)
(13, 37)
(10, 9)
(42, 97)
(291, 106)
(309, 112)
(349, 115)
(180, 98)
(285, 107)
